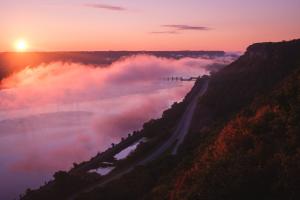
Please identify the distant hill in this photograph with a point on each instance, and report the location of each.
(244, 142)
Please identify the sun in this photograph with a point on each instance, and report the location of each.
(21, 45)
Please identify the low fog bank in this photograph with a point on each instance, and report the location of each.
(15, 61)
(56, 114)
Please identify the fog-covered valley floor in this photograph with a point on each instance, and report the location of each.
(56, 114)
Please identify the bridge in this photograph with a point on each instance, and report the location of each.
(180, 78)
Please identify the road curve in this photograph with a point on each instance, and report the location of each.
(177, 138)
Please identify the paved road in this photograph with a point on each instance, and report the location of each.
(177, 138)
(186, 120)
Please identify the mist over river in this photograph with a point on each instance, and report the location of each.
(56, 114)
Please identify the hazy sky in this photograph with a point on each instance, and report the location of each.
(51, 25)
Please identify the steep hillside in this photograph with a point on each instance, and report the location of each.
(256, 155)
(251, 148)
(256, 72)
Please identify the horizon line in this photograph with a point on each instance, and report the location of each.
(75, 51)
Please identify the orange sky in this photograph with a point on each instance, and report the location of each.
(231, 25)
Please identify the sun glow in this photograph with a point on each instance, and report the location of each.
(21, 45)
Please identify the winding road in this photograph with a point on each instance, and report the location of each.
(176, 140)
